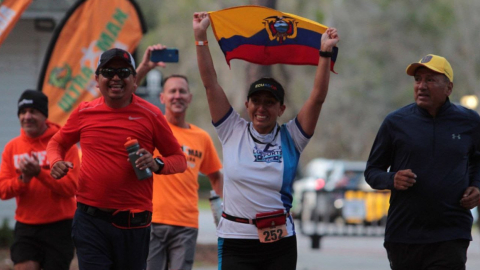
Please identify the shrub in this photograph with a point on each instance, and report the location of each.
(6, 234)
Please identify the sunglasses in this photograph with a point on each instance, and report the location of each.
(122, 73)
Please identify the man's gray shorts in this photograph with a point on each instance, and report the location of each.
(171, 244)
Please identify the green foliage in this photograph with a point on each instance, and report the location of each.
(431, 19)
(150, 10)
(204, 187)
(204, 192)
(319, 16)
(383, 4)
(6, 234)
(203, 203)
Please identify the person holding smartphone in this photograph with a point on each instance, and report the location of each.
(174, 232)
(260, 160)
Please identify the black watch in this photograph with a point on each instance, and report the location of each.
(160, 164)
(326, 54)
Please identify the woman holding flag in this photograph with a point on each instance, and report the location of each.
(260, 159)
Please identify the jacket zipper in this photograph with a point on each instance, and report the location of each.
(434, 137)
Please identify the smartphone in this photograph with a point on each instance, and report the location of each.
(169, 55)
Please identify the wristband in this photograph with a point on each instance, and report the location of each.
(201, 43)
(326, 54)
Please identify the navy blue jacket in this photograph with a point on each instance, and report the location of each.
(444, 153)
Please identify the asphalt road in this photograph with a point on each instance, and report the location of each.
(336, 252)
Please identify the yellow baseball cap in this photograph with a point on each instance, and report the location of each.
(433, 62)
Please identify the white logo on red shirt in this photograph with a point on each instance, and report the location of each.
(41, 156)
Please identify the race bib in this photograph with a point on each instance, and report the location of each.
(272, 234)
(271, 226)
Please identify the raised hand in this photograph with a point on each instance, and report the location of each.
(146, 57)
(329, 39)
(201, 22)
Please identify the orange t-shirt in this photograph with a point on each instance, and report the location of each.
(175, 197)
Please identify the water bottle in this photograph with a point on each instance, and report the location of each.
(132, 147)
(216, 205)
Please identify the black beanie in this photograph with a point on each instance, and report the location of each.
(33, 99)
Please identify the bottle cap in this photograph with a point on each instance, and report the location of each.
(130, 142)
(213, 194)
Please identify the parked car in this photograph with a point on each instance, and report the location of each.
(316, 173)
(336, 191)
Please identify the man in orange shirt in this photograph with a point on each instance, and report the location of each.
(111, 227)
(175, 197)
(45, 206)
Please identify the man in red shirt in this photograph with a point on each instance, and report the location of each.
(111, 227)
(45, 206)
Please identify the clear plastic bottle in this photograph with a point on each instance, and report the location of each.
(132, 147)
(216, 205)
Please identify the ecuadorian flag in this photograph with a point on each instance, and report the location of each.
(266, 36)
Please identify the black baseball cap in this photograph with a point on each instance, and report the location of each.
(270, 85)
(115, 53)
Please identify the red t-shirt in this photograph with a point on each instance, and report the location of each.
(107, 179)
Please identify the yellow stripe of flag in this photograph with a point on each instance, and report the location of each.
(247, 21)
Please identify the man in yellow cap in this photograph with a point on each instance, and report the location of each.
(432, 148)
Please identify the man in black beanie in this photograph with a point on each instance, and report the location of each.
(33, 99)
(45, 206)
(36, 102)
